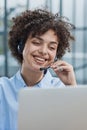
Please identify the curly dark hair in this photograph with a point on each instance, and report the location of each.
(38, 22)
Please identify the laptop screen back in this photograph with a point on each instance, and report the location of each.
(53, 109)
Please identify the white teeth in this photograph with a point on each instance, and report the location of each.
(40, 59)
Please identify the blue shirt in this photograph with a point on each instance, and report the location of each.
(9, 88)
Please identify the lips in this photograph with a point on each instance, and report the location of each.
(39, 59)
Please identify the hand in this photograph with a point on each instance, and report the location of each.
(64, 71)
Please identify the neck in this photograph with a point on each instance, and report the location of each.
(31, 78)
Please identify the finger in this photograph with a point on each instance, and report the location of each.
(59, 63)
(62, 68)
(58, 68)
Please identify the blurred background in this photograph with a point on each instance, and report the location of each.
(75, 10)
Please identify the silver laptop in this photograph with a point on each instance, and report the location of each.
(53, 109)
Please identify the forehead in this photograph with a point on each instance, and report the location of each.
(48, 35)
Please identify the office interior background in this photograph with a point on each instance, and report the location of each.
(74, 10)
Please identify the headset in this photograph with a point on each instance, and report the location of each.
(20, 47)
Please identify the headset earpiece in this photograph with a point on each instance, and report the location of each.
(20, 47)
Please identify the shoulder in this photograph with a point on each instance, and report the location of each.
(4, 88)
(4, 80)
(15, 81)
(5, 85)
(9, 87)
(12, 84)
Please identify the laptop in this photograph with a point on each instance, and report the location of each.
(53, 108)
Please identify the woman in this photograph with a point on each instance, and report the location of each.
(38, 39)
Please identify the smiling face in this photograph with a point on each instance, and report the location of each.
(40, 51)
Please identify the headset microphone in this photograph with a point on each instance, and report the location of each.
(45, 68)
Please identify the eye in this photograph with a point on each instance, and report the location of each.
(36, 42)
(52, 48)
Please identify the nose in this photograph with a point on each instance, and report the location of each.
(43, 50)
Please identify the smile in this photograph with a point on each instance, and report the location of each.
(39, 59)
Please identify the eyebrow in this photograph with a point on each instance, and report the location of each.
(39, 38)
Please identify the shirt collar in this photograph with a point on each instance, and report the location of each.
(44, 82)
(20, 79)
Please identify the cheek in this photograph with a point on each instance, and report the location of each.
(53, 55)
(28, 50)
(25, 51)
